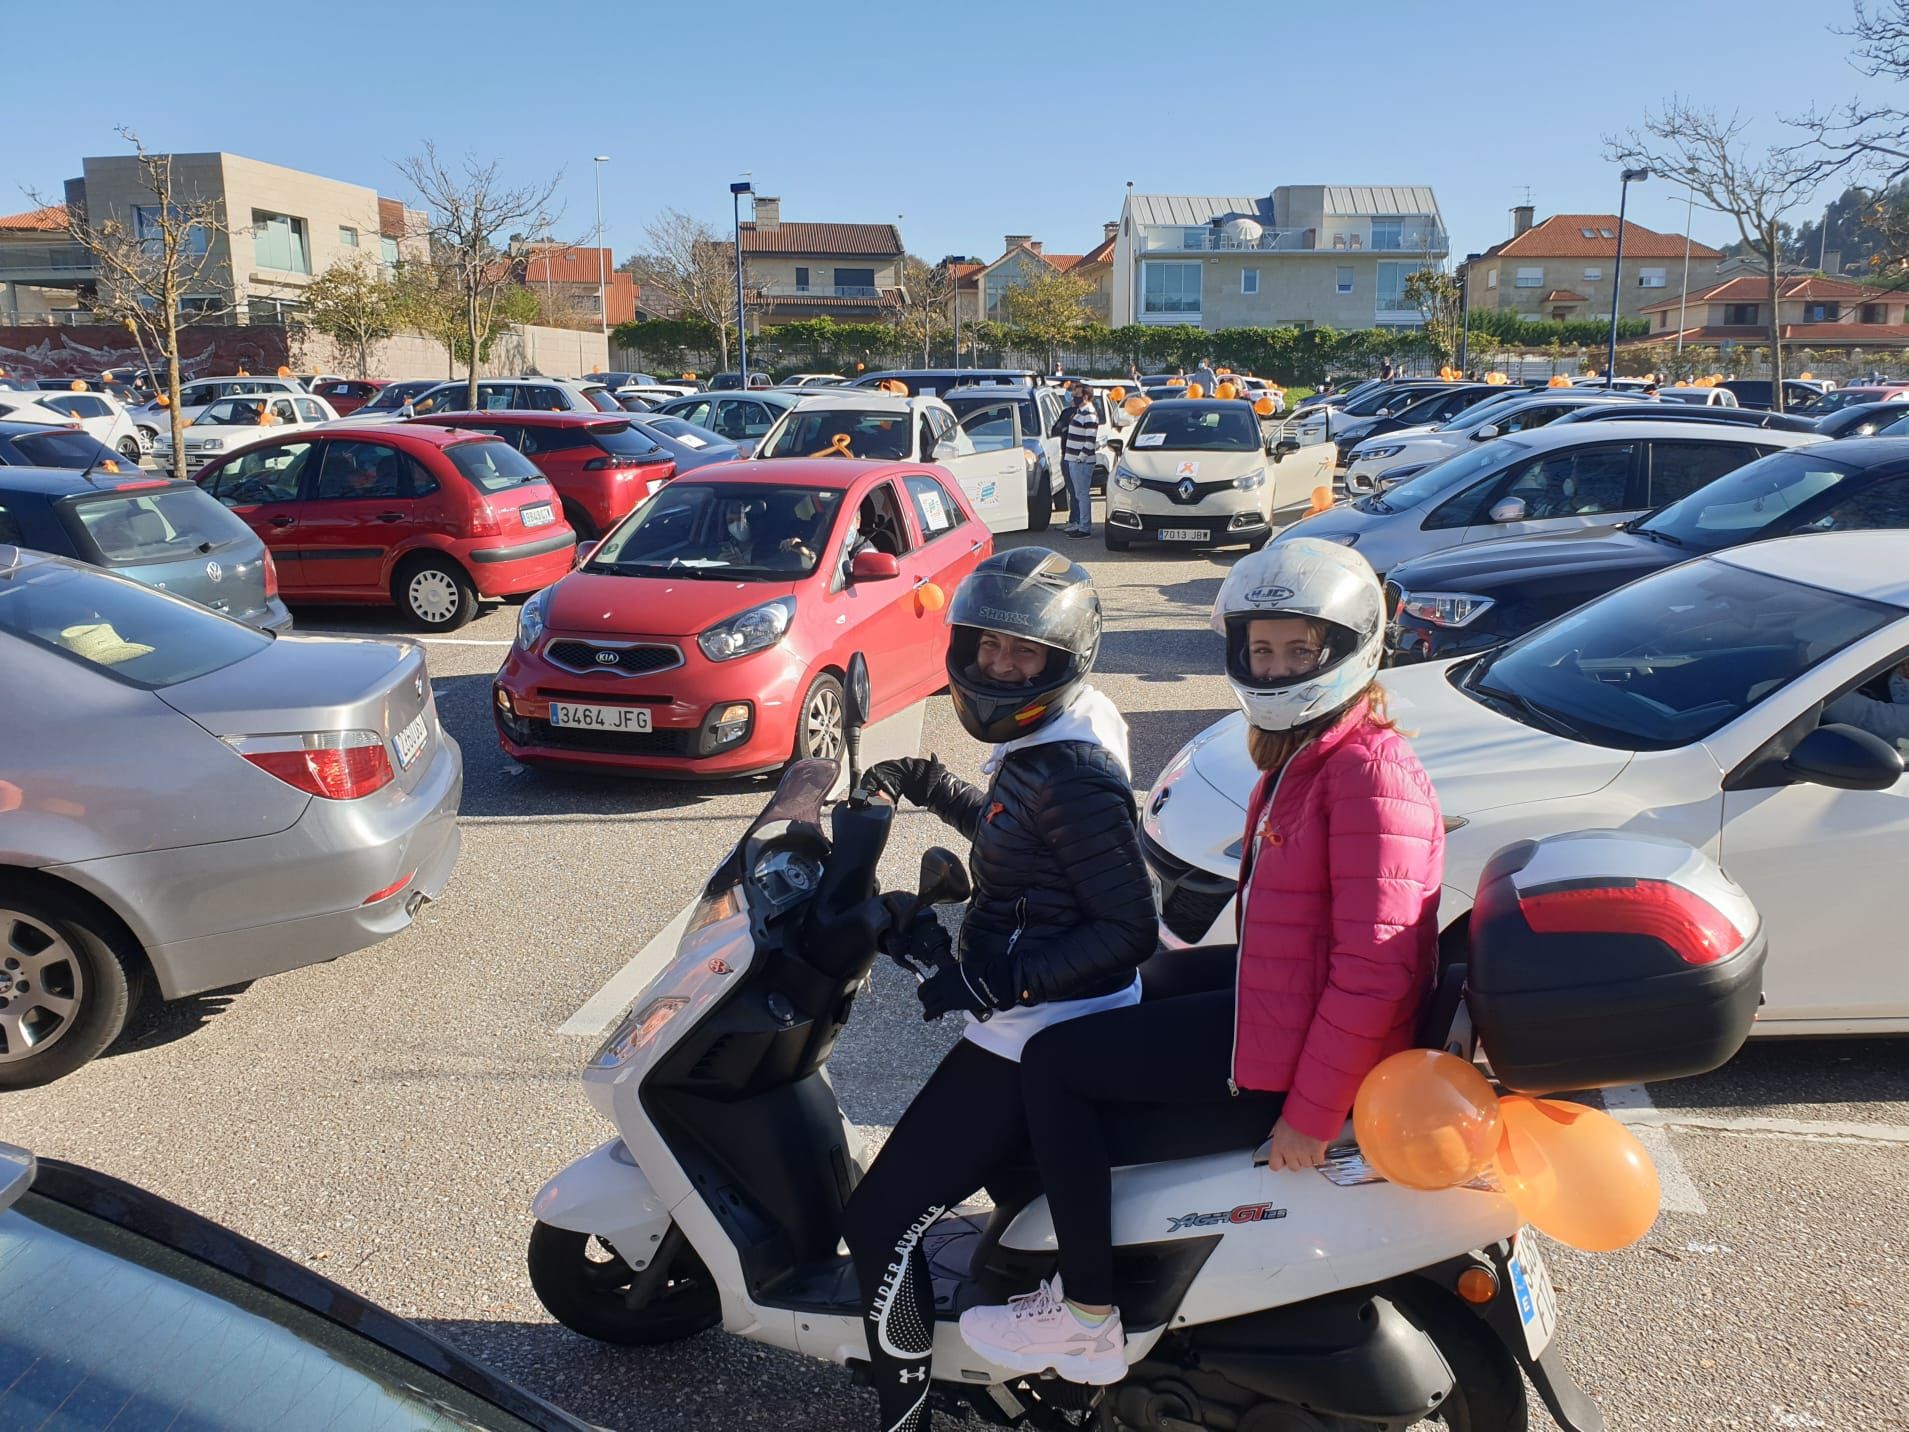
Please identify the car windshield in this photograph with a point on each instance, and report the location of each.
(396, 395)
(1672, 658)
(233, 413)
(133, 632)
(726, 530)
(1741, 505)
(1840, 398)
(686, 433)
(154, 522)
(1370, 403)
(1444, 476)
(1191, 428)
(62, 447)
(492, 466)
(973, 400)
(602, 399)
(623, 439)
(1468, 417)
(852, 432)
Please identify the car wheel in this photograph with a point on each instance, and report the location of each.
(1040, 501)
(66, 991)
(580, 522)
(129, 449)
(1114, 543)
(586, 1285)
(819, 724)
(434, 594)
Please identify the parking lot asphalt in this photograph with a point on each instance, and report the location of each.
(388, 1117)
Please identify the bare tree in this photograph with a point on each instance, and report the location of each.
(471, 215)
(1698, 148)
(926, 302)
(1438, 299)
(693, 272)
(146, 262)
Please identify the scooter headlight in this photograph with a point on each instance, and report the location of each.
(637, 1030)
(720, 906)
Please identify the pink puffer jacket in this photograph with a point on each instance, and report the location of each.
(1339, 928)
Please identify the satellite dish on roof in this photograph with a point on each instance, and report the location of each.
(1242, 233)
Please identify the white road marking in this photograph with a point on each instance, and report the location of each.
(1630, 1105)
(424, 640)
(1808, 1130)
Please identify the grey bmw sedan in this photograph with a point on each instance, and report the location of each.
(188, 802)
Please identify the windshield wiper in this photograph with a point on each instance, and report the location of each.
(1657, 536)
(1534, 714)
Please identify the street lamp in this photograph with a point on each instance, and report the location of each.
(736, 191)
(603, 311)
(1625, 180)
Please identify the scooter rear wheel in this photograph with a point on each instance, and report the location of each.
(1490, 1391)
(588, 1287)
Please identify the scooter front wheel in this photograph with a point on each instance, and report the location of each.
(590, 1288)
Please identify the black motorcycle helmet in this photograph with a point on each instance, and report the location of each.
(1036, 594)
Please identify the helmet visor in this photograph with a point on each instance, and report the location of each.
(1272, 650)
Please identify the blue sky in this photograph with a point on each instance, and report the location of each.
(970, 121)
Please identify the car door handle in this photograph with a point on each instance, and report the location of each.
(391, 517)
(976, 545)
(283, 521)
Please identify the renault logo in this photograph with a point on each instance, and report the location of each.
(1185, 489)
(606, 658)
(214, 572)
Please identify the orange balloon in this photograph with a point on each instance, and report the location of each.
(243, 373)
(1321, 499)
(1226, 390)
(1427, 1119)
(1575, 1174)
(78, 385)
(930, 598)
(1195, 390)
(1264, 407)
(1118, 395)
(1176, 382)
(163, 401)
(283, 371)
(1136, 405)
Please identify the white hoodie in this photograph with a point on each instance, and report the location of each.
(1090, 716)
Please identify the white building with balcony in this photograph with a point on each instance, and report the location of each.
(1307, 256)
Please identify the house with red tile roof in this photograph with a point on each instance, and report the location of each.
(848, 272)
(1814, 312)
(566, 275)
(1564, 267)
(1025, 258)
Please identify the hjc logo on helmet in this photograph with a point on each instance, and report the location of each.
(1269, 596)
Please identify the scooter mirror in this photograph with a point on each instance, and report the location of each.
(944, 879)
(858, 698)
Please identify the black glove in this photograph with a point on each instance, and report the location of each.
(925, 945)
(910, 776)
(953, 987)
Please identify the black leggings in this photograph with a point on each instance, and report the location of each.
(1174, 1051)
(964, 1125)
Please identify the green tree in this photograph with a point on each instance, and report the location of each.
(1050, 310)
(354, 305)
(1436, 296)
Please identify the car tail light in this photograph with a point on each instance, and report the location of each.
(271, 577)
(337, 765)
(484, 521)
(1698, 931)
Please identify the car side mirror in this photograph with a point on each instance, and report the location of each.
(1282, 447)
(1508, 509)
(1384, 413)
(1846, 758)
(585, 550)
(1486, 433)
(944, 448)
(873, 567)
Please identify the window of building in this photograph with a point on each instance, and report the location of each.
(1169, 288)
(388, 252)
(1650, 278)
(1193, 238)
(146, 228)
(1740, 315)
(1593, 275)
(1390, 283)
(347, 236)
(801, 280)
(1388, 234)
(201, 303)
(1875, 313)
(855, 283)
(1530, 277)
(279, 242)
(1249, 280)
(1822, 313)
(1344, 284)
(1606, 234)
(1588, 233)
(1491, 278)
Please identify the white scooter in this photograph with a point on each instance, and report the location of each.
(1318, 1301)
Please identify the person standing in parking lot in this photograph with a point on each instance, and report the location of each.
(1386, 370)
(1080, 440)
(1206, 377)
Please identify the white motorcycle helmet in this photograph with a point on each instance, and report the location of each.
(1302, 577)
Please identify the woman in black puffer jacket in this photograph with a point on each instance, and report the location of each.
(1061, 918)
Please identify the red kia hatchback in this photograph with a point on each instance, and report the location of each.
(601, 466)
(428, 518)
(708, 634)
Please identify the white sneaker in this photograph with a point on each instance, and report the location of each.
(1038, 1331)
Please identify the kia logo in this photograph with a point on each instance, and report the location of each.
(606, 658)
(214, 572)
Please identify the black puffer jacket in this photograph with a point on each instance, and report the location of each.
(1062, 906)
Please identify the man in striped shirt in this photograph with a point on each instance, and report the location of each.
(1080, 440)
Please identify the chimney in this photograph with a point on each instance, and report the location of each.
(768, 214)
(1012, 239)
(1521, 216)
(1109, 229)
(1034, 244)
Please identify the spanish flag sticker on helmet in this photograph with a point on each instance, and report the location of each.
(1031, 713)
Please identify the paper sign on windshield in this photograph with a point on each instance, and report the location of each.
(1150, 440)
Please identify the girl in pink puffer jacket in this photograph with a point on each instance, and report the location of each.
(1337, 954)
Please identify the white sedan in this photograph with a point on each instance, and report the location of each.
(233, 423)
(1688, 704)
(104, 417)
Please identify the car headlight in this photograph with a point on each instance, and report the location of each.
(1390, 450)
(1446, 609)
(753, 630)
(212, 444)
(1124, 478)
(530, 619)
(1252, 481)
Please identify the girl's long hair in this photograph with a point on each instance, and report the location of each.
(1271, 750)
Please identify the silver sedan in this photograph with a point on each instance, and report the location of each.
(187, 802)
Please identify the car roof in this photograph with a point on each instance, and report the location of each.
(427, 434)
(529, 417)
(1552, 435)
(1873, 564)
(56, 482)
(1159, 403)
(864, 399)
(801, 471)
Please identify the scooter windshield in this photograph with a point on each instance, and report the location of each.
(796, 807)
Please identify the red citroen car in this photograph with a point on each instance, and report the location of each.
(601, 466)
(428, 519)
(708, 634)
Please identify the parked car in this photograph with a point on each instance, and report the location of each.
(729, 382)
(1557, 479)
(196, 803)
(1758, 392)
(92, 1258)
(67, 446)
(1837, 399)
(346, 395)
(1501, 412)
(155, 417)
(741, 592)
(742, 418)
(935, 382)
(1862, 420)
(1699, 397)
(390, 401)
(1474, 598)
(1687, 704)
(601, 467)
(653, 393)
(691, 447)
(619, 379)
(982, 452)
(429, 519)
(1200, 472)
(234, 423)
(124, 393)
(1040, 408)
(23, 405)
(1412, 408)
(103, 417)
(813, 380)
(1624, 409)
(166, 534)
(1332, 419)
(516, 395)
